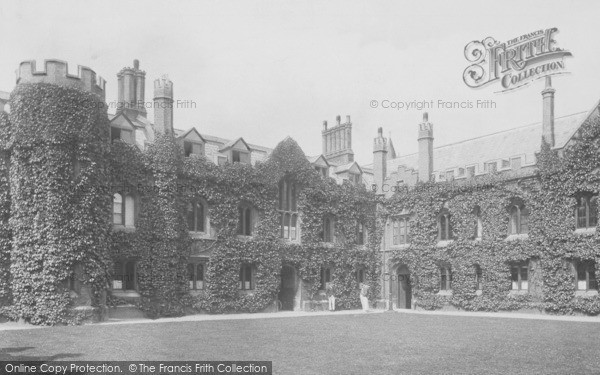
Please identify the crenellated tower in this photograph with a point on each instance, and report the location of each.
(337, 142)
(132, 86)
(163, 105)
(56, 72)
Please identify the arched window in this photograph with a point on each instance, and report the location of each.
(124, 210)
(478, 277)
(519, 219)
(196, 276)
(444, 226)
(246, 220)
(246, 277)
(328, 230)
(445, 278)
(586, 212)
(196, 219)
(586, 275)
(288, 210)
(361, 233)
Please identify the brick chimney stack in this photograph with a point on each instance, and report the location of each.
(163, 106)
(379, 161)
(425, 140)
(548, 113)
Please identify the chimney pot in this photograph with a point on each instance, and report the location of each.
(347, 119)
(136, 64)
(338, 119)
(425, 117)
(325, 125)
(380, 131)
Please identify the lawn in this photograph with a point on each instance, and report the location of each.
(385, 343)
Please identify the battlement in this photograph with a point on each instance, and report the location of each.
(56, 72)
(163, 87)
(380, 143)
(425, 128)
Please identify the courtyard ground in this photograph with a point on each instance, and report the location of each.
(332, 343)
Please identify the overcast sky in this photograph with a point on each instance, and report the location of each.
(267, 69)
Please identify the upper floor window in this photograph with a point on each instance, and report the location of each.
(288, 209)
(246, 220)
(361, 233)
(519, 219)
(444, 226)
(238, 156)
(518, 276)
(586, 212)
(323, 171)
(246, 277)
(196, 217)
(124, 209)
(445, 278)
(477, 223)
(400, 231)
(328, 229)
(192, 148)
(586, 276)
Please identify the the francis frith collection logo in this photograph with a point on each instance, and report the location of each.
(514, 63)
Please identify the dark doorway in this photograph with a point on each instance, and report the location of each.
(404, 288)
(288, 288)
(130, 276)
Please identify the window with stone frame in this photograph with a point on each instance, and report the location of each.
(246, 220)
(586, 275)
(288, 210)
(478, 277)
(327, 233)
(196, 276)
(361, 233)
(519, 274)
(124, 275)
(477, 223)
(445, 278)
(401, 230)
(519, 219)
(124, 209)
(246, 280)
(445, 226)
(196, 216)
(360, 275)
(325, 277)
(586, 211)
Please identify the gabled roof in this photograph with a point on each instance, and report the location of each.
(121, 119)
(232, 144)
(318, 160)
(352, 167)
(522, 142)
(190, 131)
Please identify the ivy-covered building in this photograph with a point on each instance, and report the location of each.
(117, 213)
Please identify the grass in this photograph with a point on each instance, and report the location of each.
(386, 343)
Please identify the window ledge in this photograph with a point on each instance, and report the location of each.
(123, 228)
(247, 292)
(517, 292)
(200, 235)
(243, 237)
(585, 230)
(586, 293)
(517, 237)
(287, 240)
(447, 292)
(444, 243)
(124, 293)
(327, 244)
(400, 247)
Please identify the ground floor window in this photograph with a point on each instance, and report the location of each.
(196, 276)
(360, 275)
(125, 275)
(246, 277)
(478, 278)
(445, 278)
(519, 275)
(325, 277)
(586, 276)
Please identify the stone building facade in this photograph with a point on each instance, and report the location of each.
(455, 226)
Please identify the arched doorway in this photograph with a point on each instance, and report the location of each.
(289, 289)
(404, 287)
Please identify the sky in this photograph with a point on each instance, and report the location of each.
(264, 70)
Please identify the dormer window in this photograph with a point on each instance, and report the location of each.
(586, 212)
(121, 134)
(192, 148)
(355, 179)
(323, 171)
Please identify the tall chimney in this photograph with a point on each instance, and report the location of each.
(131, 82)
(163, 105)
(379, 161)
(548, 113)
(425, 140)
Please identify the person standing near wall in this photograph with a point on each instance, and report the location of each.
(364, 300)
(330, 295)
